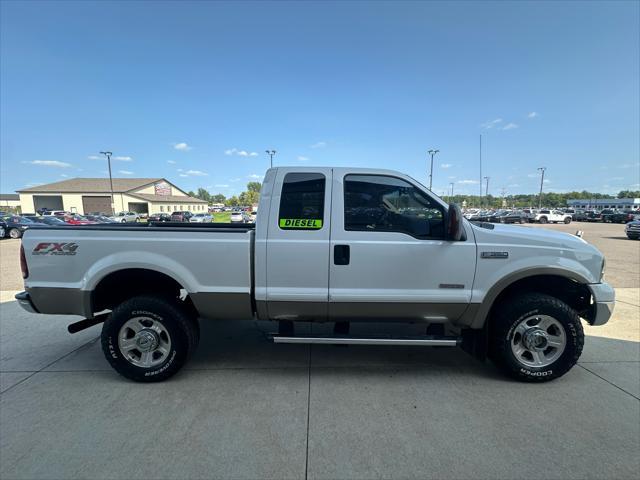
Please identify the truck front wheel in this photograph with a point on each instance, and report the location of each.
(535, 337)
(149, 338)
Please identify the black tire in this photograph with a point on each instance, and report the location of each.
(510, 314)
(632, 237)
(183, 330)
(567, 220)
(543, 220)
(15, 233)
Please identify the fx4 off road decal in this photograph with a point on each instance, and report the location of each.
(295, 223)
(51, 248)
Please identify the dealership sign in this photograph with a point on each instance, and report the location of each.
(162, 188)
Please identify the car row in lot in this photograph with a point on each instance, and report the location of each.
(13, 226)
(549, 215)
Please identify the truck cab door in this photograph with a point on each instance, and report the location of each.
(297, 246)
(389, 256)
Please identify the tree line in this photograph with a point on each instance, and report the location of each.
(550, 199)
(247, 198)
(252, 194)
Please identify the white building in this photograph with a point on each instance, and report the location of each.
(601, 203)
(87, 195)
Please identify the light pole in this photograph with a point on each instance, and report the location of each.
(486, 189)
(108, 155)
(541, 169)
(432, 153)
(271, 153)
(451, 191)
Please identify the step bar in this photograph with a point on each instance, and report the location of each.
(407, 341)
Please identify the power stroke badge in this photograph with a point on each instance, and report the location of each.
(51, 248)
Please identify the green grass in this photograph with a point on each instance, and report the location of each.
(221, 217)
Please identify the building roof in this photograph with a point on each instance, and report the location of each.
(91, 185)
(166, 198)
(9, 196)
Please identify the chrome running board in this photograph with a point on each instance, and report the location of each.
(407, 341)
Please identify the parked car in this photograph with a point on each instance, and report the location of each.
(238, 216)
(46, 213)
(593, 216)
(16, 225)
(99, 218)
(512, 216)
(332, 246)
(632, 229)
(181, 216)
(201, 218)
(617, 216)
(579, 216)
(77, 220)
(159, 217)
(46, 220)
(552, 216)
(126, 217)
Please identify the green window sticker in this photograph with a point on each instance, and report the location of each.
(295, 223)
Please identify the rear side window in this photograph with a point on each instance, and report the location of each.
(377, 203)
(302, 201)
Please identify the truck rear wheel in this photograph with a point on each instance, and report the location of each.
(535, 338)
(543, 220)
(149, 338)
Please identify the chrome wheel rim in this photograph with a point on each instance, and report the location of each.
(14, 233)
(144, 342)
(538, 341)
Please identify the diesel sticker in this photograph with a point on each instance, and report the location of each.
(50, 248)
(300, 223)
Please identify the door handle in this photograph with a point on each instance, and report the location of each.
(341, 254)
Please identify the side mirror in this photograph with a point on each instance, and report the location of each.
(454, 231)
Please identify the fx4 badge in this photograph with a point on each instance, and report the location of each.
(48, 248)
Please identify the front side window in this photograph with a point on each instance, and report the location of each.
(302, 201)
(377, 203)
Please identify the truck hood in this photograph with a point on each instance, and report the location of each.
(530, 236)
(537, 246)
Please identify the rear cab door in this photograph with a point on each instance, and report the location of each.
(292, 269)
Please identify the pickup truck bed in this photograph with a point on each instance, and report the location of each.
(218, 278)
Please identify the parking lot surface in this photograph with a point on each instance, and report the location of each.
(247, 408)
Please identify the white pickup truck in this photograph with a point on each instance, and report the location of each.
(552, 216)
(329, 245)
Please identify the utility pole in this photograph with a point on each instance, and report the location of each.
(486, 189)
(271, 153)
(432, 153)
(108, 155)
(451, 190)
(481, 171)
(541, 169)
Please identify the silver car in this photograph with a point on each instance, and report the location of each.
(201, 218)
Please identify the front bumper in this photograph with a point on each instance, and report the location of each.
(24, 300)
(604, 299)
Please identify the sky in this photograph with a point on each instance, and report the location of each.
(197, 91)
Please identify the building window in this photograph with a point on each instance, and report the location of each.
(378, 203)
(302, 201)
(161, 208)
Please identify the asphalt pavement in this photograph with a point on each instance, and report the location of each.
(246, 408)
